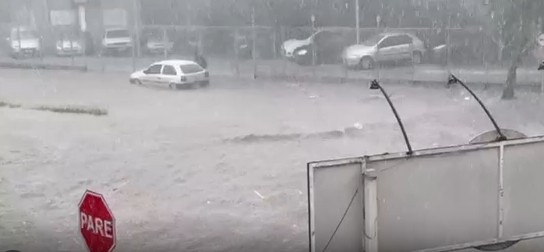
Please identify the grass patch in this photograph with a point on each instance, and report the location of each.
(74, 110)
(9, 105)
(60, 109)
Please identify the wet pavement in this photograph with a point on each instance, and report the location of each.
(215, 169)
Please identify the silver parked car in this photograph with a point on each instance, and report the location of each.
(384, 47)
(157, 45)
(154, 42)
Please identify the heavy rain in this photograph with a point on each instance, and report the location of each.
(192, 121)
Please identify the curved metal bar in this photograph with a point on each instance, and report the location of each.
(375, 85)
(453, 79)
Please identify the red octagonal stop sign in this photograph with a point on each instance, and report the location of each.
(96, 223)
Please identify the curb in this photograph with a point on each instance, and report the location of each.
(305, 78)
(535, 86)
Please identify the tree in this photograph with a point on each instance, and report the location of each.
(515, 23)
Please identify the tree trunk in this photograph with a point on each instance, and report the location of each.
(499, 54)
(508, 92)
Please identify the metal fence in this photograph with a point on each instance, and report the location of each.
(258, 51)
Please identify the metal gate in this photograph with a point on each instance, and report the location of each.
(444, 199)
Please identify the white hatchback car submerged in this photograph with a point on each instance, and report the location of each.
(173, 74)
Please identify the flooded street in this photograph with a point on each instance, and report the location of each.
(215, 169)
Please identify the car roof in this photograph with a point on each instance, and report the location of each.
(176, 62)
(116, 29)
(396, 34)
(21, 28)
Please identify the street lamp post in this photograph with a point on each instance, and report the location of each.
(375, 85)
(454, 80)
(136, 29)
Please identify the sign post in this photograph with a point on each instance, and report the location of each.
(96, 223)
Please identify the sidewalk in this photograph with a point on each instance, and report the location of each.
(284, 70)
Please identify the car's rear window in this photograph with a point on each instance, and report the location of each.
(68, 36)
(22, 34)
(373, 40)
(190, 68)
(118, 34)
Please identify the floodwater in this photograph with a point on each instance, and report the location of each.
(215, 169)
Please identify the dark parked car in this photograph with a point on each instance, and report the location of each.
(245, 48)
(327, 46)
(155, 42)
(244, 44)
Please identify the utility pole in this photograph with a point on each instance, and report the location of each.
(448, 38)
(313, 20)
(236, 52)
(254, 38)
(314, 54)
(165, 43)
(357, 22)
(136, 29)
(46, 26)
(188, 14)
(377, 66)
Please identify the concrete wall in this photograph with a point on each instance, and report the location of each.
(20, 12)
(51, 17)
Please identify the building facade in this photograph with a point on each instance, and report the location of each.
(86, 18)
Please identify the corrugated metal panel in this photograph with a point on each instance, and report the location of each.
(523, 189)
(442, 199)
(334, 189)
(438, 200)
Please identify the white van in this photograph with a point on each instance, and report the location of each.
(117, 41)
(22, 41)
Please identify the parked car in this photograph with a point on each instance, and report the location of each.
(263, 47)
(69, 44)
(116, 41)
(23, 42)
(327, 47)
(289, 46)
(173, 74)
(245, 47)
(384, 47)
(461, 52)
(154, 42)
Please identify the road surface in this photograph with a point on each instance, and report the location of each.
(216, 169)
